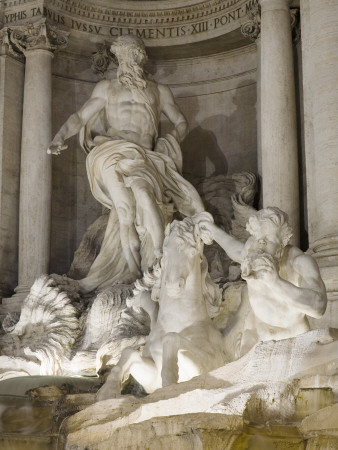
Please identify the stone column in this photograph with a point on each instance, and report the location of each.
(37, 41)
(320, 74)
(251, 28)
(278, 112)
(11, 98)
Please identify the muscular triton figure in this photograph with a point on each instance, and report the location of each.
(284, 284)
(130, 169)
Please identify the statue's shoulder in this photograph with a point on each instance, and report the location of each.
(162, 87)
(291, 252)
(153, 85)
(165, 93)
(102, 87)
(300, 261)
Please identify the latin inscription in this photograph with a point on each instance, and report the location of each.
(144, 33)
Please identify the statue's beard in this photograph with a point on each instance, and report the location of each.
(131, 75)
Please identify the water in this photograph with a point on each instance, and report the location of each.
(33, 423)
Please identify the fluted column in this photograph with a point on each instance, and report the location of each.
(37, 41)
(320, 74)
(278, 112)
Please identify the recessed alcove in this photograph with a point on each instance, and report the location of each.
(256, 81)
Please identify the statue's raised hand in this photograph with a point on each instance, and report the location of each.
(259, 266)
(55, 148)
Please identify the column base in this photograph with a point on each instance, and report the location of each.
(325, 252)
(13, 304)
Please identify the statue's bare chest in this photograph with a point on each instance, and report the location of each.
(122, 99)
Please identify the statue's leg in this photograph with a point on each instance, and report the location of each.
(125, 207)
(131, 362)
(151, 213)
(183, 359)
(171, 344)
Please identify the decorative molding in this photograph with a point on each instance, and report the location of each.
(38, 35)
(101, 59)
(127, 14)
(166, 25)
(252, 28)
(295, 25)
(213, 80)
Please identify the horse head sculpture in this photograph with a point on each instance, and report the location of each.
(183, 341)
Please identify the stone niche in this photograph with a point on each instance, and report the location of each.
(217, 94)
(213, 80)
(282, 393)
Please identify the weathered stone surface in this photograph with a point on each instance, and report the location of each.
(259, 388)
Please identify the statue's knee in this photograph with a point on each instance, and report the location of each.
(145, 194)
(124, 214)
(171, 338)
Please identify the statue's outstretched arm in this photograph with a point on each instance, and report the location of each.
(77, 120)
(232, 246)
(171, 110)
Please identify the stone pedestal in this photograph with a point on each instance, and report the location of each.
(278, 112)
(320, 68)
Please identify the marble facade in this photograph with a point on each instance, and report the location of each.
(257, 82)
(225, 101)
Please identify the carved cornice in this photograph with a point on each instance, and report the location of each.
(159, 24)
(38, 35)
(135, 13)
(252, 27)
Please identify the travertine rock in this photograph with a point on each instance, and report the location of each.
(261, 387)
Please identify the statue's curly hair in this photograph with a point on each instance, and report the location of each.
(133, 44)
(272, 217)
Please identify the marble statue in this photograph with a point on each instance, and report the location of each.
(131, 170)
(41, 342)
(283, 283)
(183, 341)
(217, 193)
(60, 332)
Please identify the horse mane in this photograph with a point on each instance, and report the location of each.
(188, 231)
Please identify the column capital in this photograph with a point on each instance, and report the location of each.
(295, 25)
(21, 39)
(252, 27)
(101, 59)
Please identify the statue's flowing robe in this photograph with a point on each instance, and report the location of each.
(132, 162)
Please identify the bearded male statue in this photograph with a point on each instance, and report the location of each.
(283, 283)
(131, 170)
